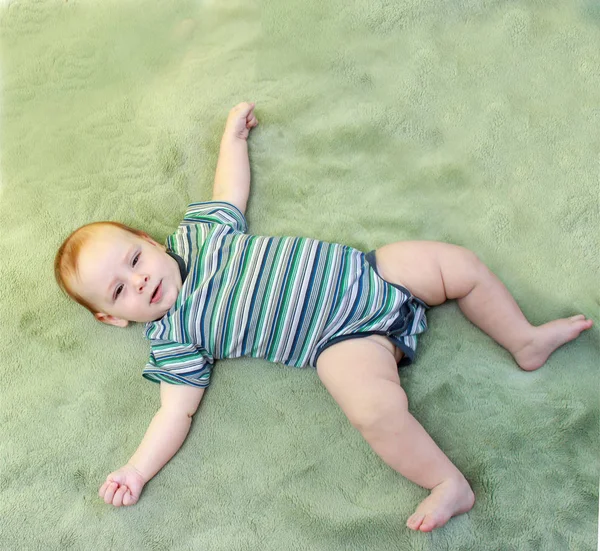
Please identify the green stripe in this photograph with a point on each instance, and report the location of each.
(289, 287)
(233, 312)
(344, 267)
(373, 284)
(228, 263)
(268, 295)
(317, 313)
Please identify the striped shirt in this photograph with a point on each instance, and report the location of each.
(283, 299)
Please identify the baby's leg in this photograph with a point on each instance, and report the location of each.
(362, 376)
(435, 272)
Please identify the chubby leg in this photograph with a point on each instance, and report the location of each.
(362, 376)
(435, 272)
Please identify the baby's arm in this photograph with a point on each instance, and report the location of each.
(164, 437)
(232, 178)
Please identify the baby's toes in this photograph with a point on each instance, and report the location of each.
(429, 523)
(579, 325)
(415, 520)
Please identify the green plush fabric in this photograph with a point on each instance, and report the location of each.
(472, 122)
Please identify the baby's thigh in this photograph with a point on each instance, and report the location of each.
(419, 266)
(356, 372)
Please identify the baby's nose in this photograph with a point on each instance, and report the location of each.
(140, 282)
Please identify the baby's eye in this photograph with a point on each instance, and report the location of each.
(118, 291)
(135, 259)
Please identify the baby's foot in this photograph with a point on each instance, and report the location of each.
(547, 338)
(448, 499)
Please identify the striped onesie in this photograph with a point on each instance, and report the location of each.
(283, 299)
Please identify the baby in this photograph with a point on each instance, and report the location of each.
(217, 292)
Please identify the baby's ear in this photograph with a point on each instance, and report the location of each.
(111, 320)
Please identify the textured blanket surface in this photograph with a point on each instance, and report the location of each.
(472, 122)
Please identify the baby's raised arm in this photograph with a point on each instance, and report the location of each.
(232, 178)
(164, 437)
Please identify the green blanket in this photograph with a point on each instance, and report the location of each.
(472, 122)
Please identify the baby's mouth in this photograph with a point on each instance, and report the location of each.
(156, 296)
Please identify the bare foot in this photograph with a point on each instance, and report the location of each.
(547, 338)
(448, 499)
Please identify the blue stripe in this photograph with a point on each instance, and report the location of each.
(206, 302)
(356, 302)
(230, 320)
(340, 272)
(283, 286)
(255, 293)
(307, 298)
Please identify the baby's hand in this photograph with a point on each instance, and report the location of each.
(240, 120)
(123, 487)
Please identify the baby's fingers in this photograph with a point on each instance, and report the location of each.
(103, 488)
(243, 109)
(128, 498)
(118, 499)
(109, 492)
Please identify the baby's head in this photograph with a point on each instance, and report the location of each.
(118, 273)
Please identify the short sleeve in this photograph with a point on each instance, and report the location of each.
(180, 364)
(216, 212)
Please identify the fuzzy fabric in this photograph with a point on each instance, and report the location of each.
(472, 122)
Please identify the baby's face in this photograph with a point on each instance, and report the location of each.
(128, 278)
